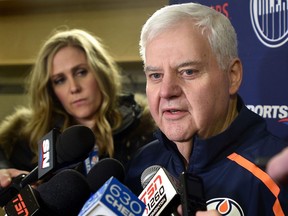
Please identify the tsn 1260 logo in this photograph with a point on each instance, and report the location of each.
(153, 195)
(160, 190)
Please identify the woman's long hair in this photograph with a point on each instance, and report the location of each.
(48, 112)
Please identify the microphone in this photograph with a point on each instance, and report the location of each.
(262, 162)
(24, 203)
(7, 193)
(161, 193)
(192, 194)
(102, 171)
(113, 199)
(64, 194)
(72, 146)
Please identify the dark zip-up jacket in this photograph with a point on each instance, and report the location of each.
(233, 184)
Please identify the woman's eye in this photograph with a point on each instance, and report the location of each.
(58, 81)
(81, 72)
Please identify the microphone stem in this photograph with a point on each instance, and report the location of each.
(30, 178)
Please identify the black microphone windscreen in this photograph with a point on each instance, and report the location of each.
(102, 171)
(74, 143)
(64, 194)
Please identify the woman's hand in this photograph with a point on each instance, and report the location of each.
(6, 176)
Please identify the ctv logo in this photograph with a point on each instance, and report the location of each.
(20, 206)
(154, 195)
(269, 20)
(45, 153)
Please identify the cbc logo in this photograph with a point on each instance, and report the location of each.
(270, 21)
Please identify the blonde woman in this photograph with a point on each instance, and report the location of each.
(74, 81)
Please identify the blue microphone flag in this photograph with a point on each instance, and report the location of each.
(113, 198)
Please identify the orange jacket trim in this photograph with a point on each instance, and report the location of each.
(262, 176)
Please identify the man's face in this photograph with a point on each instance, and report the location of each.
(187, 91)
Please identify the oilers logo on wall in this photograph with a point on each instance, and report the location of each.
(225, 206)
(270, 21)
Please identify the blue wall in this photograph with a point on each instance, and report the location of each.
(262, 29)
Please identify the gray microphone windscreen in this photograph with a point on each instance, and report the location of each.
(148, 174)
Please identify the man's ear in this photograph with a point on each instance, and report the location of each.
(235, 74)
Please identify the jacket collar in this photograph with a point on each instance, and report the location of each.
(208, 152)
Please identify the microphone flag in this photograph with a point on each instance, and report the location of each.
(160, 194)
(47, 152)
(24, 203)
(113, 199)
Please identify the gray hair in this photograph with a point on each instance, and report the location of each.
(214, 25)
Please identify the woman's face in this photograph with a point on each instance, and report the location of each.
(75, 85)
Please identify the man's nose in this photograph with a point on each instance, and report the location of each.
(170, 86)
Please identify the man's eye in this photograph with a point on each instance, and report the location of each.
(155, 76)
(189, 72)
